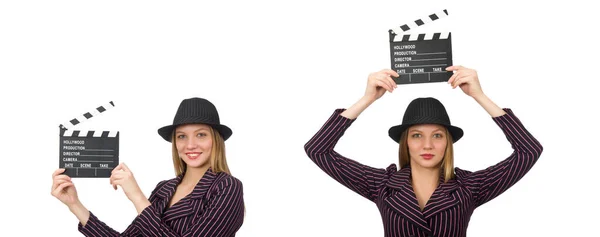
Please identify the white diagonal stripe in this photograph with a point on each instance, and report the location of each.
(397, 30)
(413, 37)
(426, 20)
(397, 38)
(441, 14)
(81, 118)
(107, 106)
(83, 133)
(68, 125)
(97, 133)
(113, 133)
(68, 133)
(429, 36)
(94, 113)
(444, 35)
(412, 25)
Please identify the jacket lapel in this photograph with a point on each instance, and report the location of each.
(191, 204)
(442, 199)
(165, 193)
(403, 199)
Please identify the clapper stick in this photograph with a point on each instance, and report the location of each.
(420, 58)
(419, 22)
(88, 154)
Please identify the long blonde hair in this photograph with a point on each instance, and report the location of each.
(447, 164)
(217, 159)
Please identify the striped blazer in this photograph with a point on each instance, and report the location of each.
(449, 209)
(214, 208)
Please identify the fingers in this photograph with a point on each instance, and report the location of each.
(453, 77)
(61, 188)
(58, 171)
(385, 76)
(390, 72)
(388, 81)
(458, 82)
(59, 178)
(119, 167)
(455, 68)
(384, 85)
(124, 167)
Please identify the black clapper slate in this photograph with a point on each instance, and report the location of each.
(88, 154)
(422, 59)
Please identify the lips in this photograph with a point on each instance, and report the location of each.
(427, 156)
(193, 155)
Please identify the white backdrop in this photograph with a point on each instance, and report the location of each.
(276, 70)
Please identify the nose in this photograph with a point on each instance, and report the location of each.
(190, 144)
(428, 143)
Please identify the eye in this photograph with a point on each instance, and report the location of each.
(201, 134)
(438, 135)
(180, 136)
(416, 135)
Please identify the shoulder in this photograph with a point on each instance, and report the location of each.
(225, 182)
(166, 181)
(461, 174)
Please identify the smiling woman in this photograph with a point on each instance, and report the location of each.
(202, 200)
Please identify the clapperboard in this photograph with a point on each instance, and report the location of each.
(88, 154)
(421, 58)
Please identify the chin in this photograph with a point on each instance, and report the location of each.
(196, 163)
(429, 164)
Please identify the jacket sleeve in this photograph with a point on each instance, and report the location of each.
(487, 184)
(223, 216)
(360, 178)
(96, 228)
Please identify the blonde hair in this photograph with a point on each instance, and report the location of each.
(217, 159)
(447, 164)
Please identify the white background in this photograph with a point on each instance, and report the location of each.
(276, 70)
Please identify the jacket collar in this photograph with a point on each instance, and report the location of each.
(186, 206)
(167, 191)
(404, 201)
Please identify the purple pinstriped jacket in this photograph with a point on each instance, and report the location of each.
(448, 211)
(214, 208)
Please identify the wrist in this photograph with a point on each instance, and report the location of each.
(138, 198)
(76, 207)
(479, 97)
(367, 100)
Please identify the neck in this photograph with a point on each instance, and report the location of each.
(193, 175)
(425, 176)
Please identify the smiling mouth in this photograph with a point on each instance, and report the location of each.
(194, 155)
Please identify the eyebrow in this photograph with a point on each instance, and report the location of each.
(417, 130)
(200, 129)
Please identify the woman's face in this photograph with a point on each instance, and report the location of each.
(426, 145)
(194, 144)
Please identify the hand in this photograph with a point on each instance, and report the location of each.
(122, 176)
(380, 82)
(63, 189)
(466, 79)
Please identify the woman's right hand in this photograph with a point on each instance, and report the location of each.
(63, 189)
(380, 82)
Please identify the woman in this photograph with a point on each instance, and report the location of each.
(427, 196)
(203, 200)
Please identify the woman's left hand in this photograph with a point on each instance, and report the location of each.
(123, 177)
(466, 79)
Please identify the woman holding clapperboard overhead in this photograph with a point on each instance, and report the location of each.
(203, 200)
(427, 196)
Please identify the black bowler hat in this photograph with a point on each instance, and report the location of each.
(194, 111)
(425, 111)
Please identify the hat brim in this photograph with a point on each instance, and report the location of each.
(395, 132)
(167, 131)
